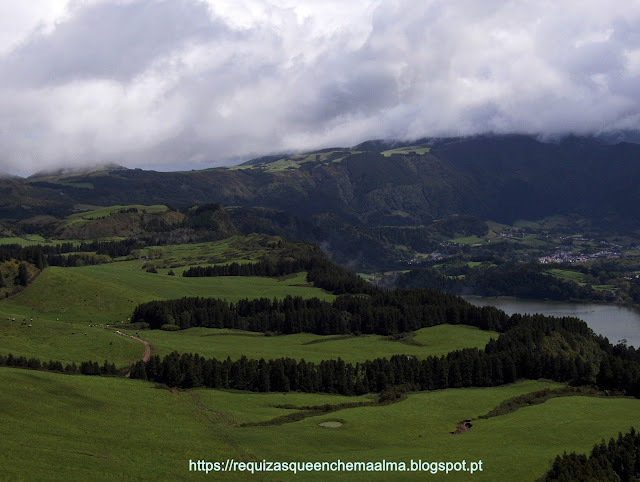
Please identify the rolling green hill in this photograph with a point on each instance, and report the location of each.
(134, 439)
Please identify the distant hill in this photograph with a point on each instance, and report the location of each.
(74, 170)
(378, 183)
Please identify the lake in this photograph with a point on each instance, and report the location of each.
(614, 322)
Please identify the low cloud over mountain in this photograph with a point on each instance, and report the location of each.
(184, 84)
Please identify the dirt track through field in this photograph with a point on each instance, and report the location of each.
(147, 348)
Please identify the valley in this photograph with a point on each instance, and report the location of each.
(243, 282)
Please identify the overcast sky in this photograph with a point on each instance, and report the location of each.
(196, 83)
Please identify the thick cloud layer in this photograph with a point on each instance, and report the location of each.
(190, 83)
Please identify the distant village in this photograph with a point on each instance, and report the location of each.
(568, 257)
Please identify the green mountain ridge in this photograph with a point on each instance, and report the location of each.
(494, 177)
(369, 200)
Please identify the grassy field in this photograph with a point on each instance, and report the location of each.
(107, 211)
(406, 150)
(467, 240)
(83, 430)
(210, 342)
(236, 248)
(65, 341)
(108, 293)
(62, 301)
(577, 277)
(29, 240)
(567, 275)
(293, 162)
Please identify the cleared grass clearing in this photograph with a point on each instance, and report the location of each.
(82, 430)
(295, 161)
(467, 240)
(211, 342)
(65, 341)
(452, 337)
(236, 248)
(567, 275)
(534, 242)
(108, 293)
(87, 216)
(518, 446)
(58, 427)
(29, 240)
(248, 407)
(406, 150)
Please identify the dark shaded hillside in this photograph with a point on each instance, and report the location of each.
(523, 178)
(500, 177)
(19, 200)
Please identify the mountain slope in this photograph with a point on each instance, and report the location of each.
(377, 183)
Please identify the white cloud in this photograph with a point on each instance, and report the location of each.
(161, 82)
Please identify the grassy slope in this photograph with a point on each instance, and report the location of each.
(109, 292)
(64, 300)
(155, 433)
(518, 446)
(235, 248)
(209, 342)
(55, 340)
(107, 211)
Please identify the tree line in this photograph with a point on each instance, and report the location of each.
(518, 353)
(619, 459)
(320, 270)
(77, 259)
(381, 313)
(85, 368)
(521, 280)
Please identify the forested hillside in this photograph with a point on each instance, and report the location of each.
(492, 177)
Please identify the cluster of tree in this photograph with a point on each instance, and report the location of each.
(38, 254)
(23, 277)
(458, 369)
(19, 277)
(382, 313)
(85, 368)
(419, 238)
(30, 254)
(617, 460)
(80, 259)
(518, 353)
(331, 277)
(322, 272)
(265, 267)
(524, 280)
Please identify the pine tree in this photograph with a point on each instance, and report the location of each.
(23, 275)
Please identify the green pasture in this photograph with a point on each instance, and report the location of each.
(467, 240)
(534, 242)
(65, 341)
(293, 162)
(107, 211)
(517, 446)
(82, 430)
(567, 275)
(406, 150)
(236, 248)
(108, 293)
(577, 277)
(28, 240)
(222, 343)
(61, 427)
